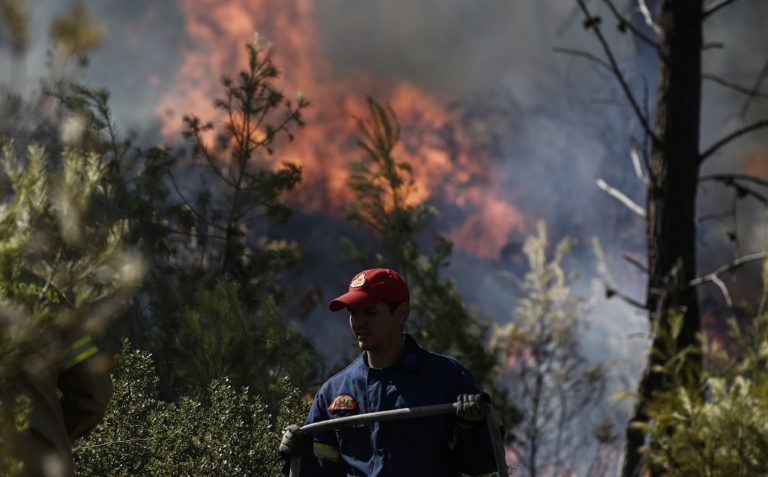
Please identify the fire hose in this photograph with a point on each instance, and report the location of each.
(491, 419)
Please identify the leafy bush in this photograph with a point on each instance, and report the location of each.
(720, 428)
(227, 431)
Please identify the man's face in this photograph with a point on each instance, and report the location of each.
(377, 329)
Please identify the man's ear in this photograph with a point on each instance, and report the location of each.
(401, 312)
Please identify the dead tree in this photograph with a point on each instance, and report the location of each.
(673, 160)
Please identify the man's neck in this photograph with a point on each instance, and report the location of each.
(388, 357)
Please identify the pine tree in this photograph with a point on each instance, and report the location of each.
(439, 320)
(220, 290)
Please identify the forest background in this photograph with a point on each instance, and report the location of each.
(236, 231)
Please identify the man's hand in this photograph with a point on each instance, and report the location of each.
(295, 442)
(470, 409)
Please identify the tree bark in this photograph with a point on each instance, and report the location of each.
(671, 202)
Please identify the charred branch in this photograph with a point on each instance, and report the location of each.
(621, 197)
(730, 137)
(592, 22)
(714, 277)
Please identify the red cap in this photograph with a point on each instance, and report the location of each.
(371, 287)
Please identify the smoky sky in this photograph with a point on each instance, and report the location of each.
(558, 122)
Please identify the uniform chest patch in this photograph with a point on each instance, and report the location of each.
(343, 402)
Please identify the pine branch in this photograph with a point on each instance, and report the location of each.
(189, 204)
(730, 137)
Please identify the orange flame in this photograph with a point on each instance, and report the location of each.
(757, 162)
(326, 147)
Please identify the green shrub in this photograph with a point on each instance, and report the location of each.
(721, 428)
(227, 431)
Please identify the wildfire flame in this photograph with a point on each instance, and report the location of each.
(757, 162)
(433, 140)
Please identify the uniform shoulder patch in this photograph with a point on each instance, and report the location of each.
(343, 402)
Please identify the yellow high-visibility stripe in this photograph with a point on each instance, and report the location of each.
(326, 451)
(79, 343)
(81, 357)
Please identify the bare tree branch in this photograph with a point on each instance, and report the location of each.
(758, 83)
(714, 277)
(734, 177)
(593, 23)
(611, 292)
(646, 12)
(730, 137)
(635, 155)
(715, 216)
(715, 6)
(625, 24)
(751, 92)
(621, 197)
(584, 54)
(731, 180)
(637, 263)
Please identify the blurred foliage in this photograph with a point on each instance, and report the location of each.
(439, 320)
(64, 266)
(549, 375)
(14, 24)
(225, 431)
(718, 429)
(75, 33)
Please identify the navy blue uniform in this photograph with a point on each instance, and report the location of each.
(427, 446)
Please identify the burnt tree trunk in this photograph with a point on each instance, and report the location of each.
(671, 203)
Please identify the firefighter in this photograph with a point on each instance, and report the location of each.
(69, 396)
(392, 372)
